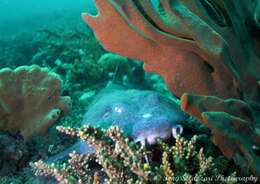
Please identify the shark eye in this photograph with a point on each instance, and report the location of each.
(179, 129)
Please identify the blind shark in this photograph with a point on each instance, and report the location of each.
(143, 115)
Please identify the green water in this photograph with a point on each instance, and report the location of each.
(17, 15)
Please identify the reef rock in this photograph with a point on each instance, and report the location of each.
(30, 99)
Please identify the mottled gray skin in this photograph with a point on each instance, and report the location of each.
(143, 115)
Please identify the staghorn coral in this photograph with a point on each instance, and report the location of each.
(203, 47)
(124, 161)
(169, 175)
(30, 99)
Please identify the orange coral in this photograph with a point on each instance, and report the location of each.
(182, 59)
(30, 99)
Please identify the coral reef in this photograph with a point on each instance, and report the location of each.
(112, 62)
(126, 162)
(88, 75)
(204, 47)
(73, 54)
(67, 46)
(41, 42)
(80, 74)
(30, 99)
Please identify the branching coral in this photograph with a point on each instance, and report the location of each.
(202, 47)
(124, 161)
(30, 99)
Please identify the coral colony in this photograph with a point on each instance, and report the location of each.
(31, 99)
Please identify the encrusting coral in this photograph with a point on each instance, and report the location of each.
(124, 161)
(30, 99)
(203, 47)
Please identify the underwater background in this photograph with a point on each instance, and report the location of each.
(68, 86)
(19, 15)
